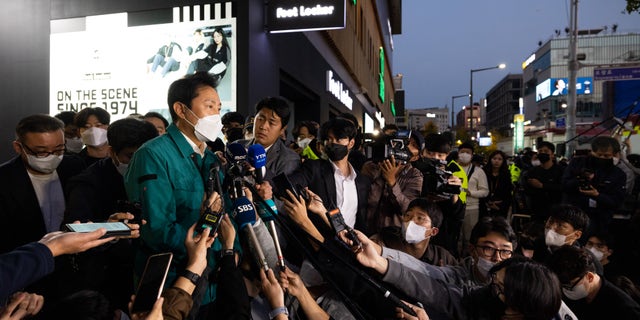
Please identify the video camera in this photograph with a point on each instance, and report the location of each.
(383, 147)
(436, 179)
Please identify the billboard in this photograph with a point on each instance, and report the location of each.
(125, 62)
(558, 87)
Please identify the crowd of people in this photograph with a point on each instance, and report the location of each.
(329, 225)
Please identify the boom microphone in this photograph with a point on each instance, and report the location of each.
(245, 216)
(257, 157)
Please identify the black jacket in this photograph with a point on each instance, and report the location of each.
(20, 213)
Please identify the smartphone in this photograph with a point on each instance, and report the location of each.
(114, 229)
(152, 282)
(282, 184)
(135, 208)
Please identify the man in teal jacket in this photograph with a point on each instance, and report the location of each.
(167, 176)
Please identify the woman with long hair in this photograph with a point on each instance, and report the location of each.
(498, 201)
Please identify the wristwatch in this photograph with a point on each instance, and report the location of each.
(193, 277)
(227, 252)
(275, 312)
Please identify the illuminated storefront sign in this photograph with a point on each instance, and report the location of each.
(518, 132)
(338, 90)
(291, 16)
(381, 75)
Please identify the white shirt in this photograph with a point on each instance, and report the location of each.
(346, 194)
(50, 198)
(195, 147)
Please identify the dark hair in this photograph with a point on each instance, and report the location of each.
(81, 305)
(311, 126)
(570, 262)
(232, 116)
(83, 116)
(466, 145)
(129, 132)
(496, 224)
(530, 288)
(340, 127)
(430, 207)
(546, 144)
(152, 114)
(504, 169)
(359, 137)
(39, 123)
(219, 30)
(418, 138)
(602, 143)
(436, 142)
(277, 105)
(570, 214)
(606, 239)
(185, 89)
(67, 117)
(390, 127)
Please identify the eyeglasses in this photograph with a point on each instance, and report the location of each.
(42, 154)
(490, 252)
(570, 286)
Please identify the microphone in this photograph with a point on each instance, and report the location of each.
(267, 215)
(338, 224)
(245, 216)
(258, 159)
(236, 153)
(210, 219)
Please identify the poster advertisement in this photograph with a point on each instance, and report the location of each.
(107, 61)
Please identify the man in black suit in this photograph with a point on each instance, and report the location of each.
(31, 193)
(335, 181)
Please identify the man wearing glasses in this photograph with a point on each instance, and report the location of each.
(31, 198)
(588, 294)
(492, 240)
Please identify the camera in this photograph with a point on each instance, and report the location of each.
(583, 179)
(436, 179)
(381, 148)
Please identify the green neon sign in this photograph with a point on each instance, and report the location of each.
(381, 75)
(393, 108)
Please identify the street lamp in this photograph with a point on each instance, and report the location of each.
(500, 66)
(453, 98)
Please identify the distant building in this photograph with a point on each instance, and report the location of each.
(463, 118)
(545, 81)
(502, 104)
(418, 118)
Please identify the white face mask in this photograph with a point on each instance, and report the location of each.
(464, 157)
(535, 163)
(73, 145)
(554, 239)
(413, 232)
(578, 292)
(484, 265)
(94, 137)
(48, 164)
(303, 143)
(207, 128)
(616, 161)
(596, 253)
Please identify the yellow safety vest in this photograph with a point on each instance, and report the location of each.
(465, 180)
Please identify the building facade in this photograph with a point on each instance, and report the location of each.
(418, 119)
(502, 104)
(545, 81)
(322, 73)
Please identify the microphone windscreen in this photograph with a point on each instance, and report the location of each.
(236, 152)
(245, 213)
(257, 156)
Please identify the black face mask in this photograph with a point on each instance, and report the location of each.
(543, 157)
(602, 163)
(336, 151)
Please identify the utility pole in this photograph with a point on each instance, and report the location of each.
(572, 97)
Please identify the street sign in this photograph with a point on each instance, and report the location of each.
(606, 74)
(560, 123)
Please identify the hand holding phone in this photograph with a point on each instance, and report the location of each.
(114, 229)
(151, 282)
